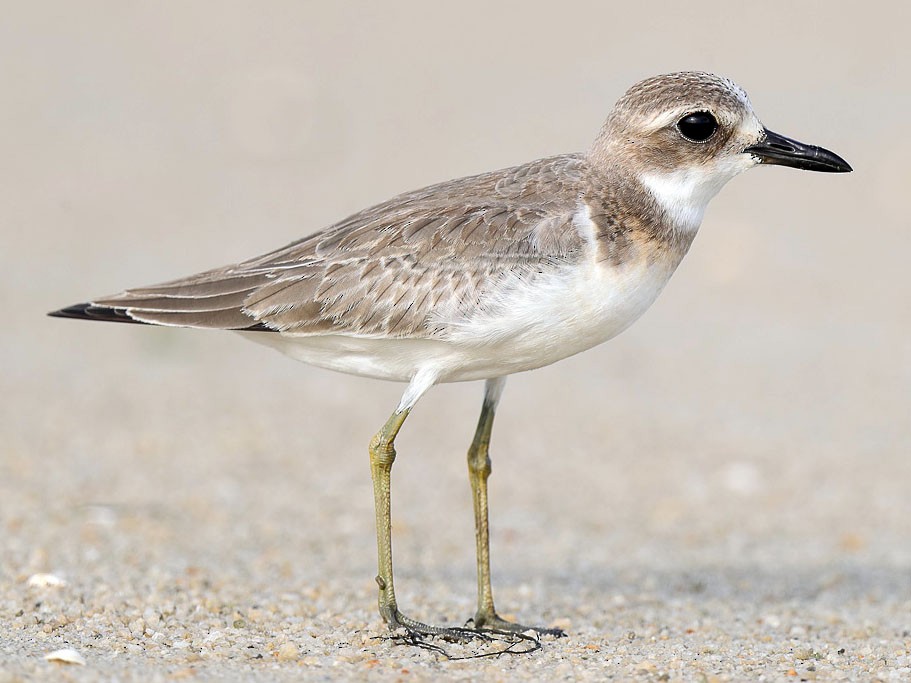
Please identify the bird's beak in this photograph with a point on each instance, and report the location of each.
(773, 148)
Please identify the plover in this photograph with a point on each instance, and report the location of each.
(484, 276)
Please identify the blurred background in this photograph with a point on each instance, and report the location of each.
(755, 420)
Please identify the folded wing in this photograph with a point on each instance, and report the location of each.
(401, 268)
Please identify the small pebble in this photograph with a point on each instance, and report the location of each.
(288, 652)
(41, 580)
(65, 656)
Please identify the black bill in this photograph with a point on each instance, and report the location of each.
(777, 149)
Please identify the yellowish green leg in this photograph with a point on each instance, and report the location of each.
(382, 455)
(478, 471)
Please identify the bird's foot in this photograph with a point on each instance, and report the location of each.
(494, 639)
(412, 629)
(493, 622)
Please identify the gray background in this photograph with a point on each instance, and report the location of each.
(721, 491)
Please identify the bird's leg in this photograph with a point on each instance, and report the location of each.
(478, 471)
(382, 455)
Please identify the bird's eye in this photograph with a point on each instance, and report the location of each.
(698, 126)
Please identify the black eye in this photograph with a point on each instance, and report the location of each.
(698, 126)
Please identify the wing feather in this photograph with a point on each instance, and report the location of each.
(395, 269)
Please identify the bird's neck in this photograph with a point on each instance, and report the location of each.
(668, 208)
(626, 216)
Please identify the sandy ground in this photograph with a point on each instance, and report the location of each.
(722, 493)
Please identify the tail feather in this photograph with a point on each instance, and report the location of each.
(217, 319)
(89, 311)
(136, 302)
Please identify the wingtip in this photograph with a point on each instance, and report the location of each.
(74, 311)
(89, 311)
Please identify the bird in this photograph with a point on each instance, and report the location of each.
(485, 276)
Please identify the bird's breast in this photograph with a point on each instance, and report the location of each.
(553, 315)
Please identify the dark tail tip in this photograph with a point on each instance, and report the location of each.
(74, 311)
(92, 312)
(119, 315)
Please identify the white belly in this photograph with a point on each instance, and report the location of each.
(526, 326)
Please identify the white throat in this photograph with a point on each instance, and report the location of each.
(684, 194)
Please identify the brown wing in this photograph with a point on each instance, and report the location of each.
(389, 270)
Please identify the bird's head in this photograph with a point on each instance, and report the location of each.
(684, 135)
